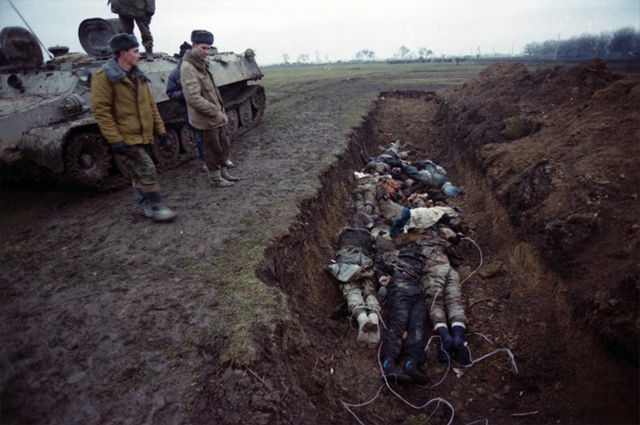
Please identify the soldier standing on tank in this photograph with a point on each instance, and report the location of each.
(205, 107)
(124, 108)
(139, 11)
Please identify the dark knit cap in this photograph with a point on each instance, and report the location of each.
(121, 42)
(201, 36)
(184, 47)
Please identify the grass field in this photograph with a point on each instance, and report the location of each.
(353, 87)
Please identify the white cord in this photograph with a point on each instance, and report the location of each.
(481, 259)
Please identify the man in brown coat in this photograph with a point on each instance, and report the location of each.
(124, 108)
(205, 107)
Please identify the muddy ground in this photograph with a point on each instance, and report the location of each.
(225, 315)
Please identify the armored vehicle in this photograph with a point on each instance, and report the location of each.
(47, 132)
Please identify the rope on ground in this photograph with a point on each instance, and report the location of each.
(485, 421)
(426, 350)
(481, 259)
(514, 366)
(437, 400)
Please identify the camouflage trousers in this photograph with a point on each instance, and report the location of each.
(442, 290)
(361, 294)
(365, 198)
(143, 170)
(126, 23)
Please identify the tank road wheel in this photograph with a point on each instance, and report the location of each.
(258, 101)
(245, 115)
(88, 163)
(167, 157)
(188, 142)
(232, 127)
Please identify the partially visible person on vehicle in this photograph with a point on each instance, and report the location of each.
(140, 12)
(126, 113)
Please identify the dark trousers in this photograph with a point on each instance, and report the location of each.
(197, 134)
(406, 313)
(216, 148)
(126, 22)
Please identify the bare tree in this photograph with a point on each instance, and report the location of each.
(285, 57)
(424, 53)
(403, 53)
(625, 41)
(303, 58)
(318, 57)
(365, 54)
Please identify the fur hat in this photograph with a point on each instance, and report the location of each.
(201, 36)
(123, 41)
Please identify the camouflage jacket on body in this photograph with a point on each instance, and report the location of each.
(122, 111)
(204, 102)
(429, 243)
(133, 8)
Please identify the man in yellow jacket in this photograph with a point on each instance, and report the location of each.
(126, 113)
(205, 107)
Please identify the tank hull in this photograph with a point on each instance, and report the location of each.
(44, 111)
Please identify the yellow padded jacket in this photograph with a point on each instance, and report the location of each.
(122, 113)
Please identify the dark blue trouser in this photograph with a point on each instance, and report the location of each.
(200, 145)
(406, 313)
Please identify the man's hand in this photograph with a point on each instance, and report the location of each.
(119, 148)
(226, 119)
(148, 14)
(162, 140)
(384, 280)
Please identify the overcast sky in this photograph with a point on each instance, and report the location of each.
(337, 29)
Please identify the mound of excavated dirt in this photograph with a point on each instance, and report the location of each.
(571, 187)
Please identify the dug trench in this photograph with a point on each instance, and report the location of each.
(565, 312)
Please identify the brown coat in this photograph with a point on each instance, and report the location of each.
(122, 114)
(204, 104)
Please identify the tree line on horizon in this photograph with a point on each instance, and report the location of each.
(624, 42)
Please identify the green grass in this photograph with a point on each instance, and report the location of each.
(287, 87)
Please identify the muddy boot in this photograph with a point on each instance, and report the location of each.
(229, 164)
(364, 323)
(460, 350)
(373, 331)
(391, 372)
(204, 168)
(411, 369)
(225, 174)
(143, 203)
(445, 353)
(158, 208)
(217, 180)
(148, 55)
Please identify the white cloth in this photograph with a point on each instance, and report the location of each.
(423, 218)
